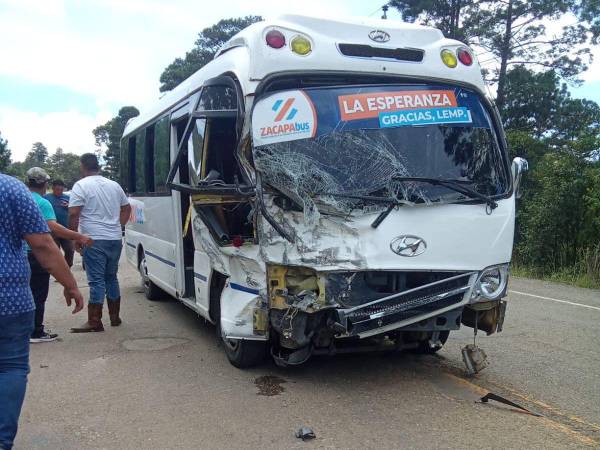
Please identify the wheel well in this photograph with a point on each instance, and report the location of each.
(217, 283)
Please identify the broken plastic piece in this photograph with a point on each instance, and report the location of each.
(474, 358)
(305, 433)
(490, 396)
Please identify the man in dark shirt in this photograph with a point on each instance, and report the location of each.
(21, 219)
(60, 203)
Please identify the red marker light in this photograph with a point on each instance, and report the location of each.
(275, 39)
(464, 56)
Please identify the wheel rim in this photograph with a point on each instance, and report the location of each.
(231, 344)
(144, 273)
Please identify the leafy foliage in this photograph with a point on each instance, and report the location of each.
(514, 32)
(208, 43)
(5, 155)
(109, 136)
(64, 166)
(558, 221)
(37, 156)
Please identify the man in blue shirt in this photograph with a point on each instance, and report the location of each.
(60, 203)
(20, 218)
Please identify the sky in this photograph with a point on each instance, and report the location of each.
(67, 66)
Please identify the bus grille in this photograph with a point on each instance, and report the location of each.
(407, 305)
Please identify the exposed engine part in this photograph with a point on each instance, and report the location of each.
(295, 358)
(474, 358)
(487, 316)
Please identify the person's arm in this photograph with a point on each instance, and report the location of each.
(49, 256)
(59, 231)
(125, 214)
(74, 214)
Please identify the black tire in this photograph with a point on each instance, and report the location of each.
(425, 349)
(240, 353)
(151, 290)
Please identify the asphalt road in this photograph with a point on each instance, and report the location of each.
(160, 381)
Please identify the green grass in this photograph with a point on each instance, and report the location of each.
(567, 276)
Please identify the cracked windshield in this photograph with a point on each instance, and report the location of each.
(359, 149)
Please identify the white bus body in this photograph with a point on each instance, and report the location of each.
(290, 191)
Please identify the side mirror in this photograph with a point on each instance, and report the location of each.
(519, 167)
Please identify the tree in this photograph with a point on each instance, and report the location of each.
(5, 155)
(539, 105)
(64, 166)
(37, 156)
(513, 32)
(208, 43)
(109, 136)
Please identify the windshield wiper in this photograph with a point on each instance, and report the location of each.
(392, 203)
(455, 185)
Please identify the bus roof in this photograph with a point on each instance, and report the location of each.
(337, 45)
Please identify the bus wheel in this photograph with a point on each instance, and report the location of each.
(425, 349)
(245, 353)
(241, 353)
(152, 291)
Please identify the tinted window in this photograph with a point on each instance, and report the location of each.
(124, 174)
(217, 97)
(162, 160)
(140, 176)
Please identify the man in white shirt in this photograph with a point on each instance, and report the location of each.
(98, 207)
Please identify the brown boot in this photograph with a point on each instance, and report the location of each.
(114, 307)
(94, 322)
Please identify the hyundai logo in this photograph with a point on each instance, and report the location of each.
(408, 245)
(379, 36)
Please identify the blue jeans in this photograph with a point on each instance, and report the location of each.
(101, 265)
(14, 367)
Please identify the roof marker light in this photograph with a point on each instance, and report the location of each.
(275, 39)
(464, 56)
(449, 58)
(301, 45)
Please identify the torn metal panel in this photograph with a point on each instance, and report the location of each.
(242, 313)
(204, 241)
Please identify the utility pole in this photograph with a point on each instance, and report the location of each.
(385, 10)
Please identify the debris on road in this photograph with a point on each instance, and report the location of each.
(491, 396)
(474, 358)
(269, 385)
(305, 433)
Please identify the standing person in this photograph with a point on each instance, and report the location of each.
(60, 203)
(99, 207)
(20, 219)
(37, 181)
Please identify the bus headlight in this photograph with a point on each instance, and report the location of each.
(491, 284)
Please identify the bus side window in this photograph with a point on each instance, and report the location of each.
(162, 158)
(139, 166)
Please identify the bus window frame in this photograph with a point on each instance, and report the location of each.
(238, 114)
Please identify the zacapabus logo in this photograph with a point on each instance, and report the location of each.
(284, 111)
(285, 116)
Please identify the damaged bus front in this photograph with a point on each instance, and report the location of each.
(386, 215)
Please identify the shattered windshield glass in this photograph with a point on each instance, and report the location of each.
(317, 146)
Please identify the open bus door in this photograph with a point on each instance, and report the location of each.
(215, 206)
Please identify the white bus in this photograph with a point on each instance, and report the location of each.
(326, 186)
